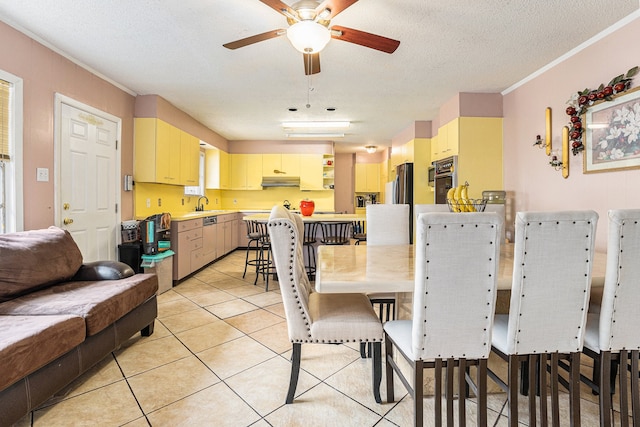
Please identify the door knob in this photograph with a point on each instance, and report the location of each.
(67, 221)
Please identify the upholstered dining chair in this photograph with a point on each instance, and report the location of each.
(456, 270)
(612, 337)
(553, 254)
(386, 225)
(314, 317)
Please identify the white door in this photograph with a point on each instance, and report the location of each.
(88, 183)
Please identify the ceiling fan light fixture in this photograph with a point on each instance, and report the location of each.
(371, 149)
(308, 36)
(312, 124)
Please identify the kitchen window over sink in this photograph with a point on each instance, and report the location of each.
(197, 190)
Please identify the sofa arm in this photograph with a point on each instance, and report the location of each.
(103, 270)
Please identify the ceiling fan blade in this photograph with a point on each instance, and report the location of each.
(254, 39)
(279, 7)
(335, 6)
(311, 63)
(362, 38)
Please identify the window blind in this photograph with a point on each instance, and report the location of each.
(5, 93)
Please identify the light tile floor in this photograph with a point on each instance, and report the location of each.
(219, 356)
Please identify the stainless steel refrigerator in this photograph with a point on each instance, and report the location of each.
(403, 191)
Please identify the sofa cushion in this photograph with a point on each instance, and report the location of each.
(35, 259)
(100, 303)
(27, 343)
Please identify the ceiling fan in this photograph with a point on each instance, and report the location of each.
(309, 30)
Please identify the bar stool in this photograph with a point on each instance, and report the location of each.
(253, 237)
(264, 264)
(310, 230)
(336, 233)
(359, 233)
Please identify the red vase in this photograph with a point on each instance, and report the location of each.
(307, 207)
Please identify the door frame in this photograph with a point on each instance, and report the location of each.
(57, 144)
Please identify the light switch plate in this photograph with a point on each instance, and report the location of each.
(42, 174)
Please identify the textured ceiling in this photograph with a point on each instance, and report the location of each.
(174, 49)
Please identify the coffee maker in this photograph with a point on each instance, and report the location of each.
(360, 202)
(155, 233)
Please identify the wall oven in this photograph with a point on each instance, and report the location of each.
(445, 177)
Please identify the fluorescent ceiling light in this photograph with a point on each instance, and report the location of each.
(310, 124)
(315, 135)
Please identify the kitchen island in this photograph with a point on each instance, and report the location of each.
(319, 217)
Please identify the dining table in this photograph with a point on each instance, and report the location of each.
(375, 269)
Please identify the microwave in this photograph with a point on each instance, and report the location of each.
(432, 176)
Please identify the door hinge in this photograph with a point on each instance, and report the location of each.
(116, 208)
(116, 144)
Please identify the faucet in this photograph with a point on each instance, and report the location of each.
(200, 207)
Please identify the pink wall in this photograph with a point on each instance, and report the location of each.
(280, 146)
(344, 182)
(45, 73)
(535, 185)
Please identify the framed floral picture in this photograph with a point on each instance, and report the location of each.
(612, 134)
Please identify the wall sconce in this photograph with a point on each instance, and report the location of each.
(555, 162)
(539, 142)
(371, 149)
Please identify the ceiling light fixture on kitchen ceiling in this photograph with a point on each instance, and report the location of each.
(371, 149)
(314, 124)
(316, 135)
(308, 36)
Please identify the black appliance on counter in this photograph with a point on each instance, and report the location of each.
(155, 233)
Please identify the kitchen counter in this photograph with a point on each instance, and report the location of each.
(316, 217)
(185, 216)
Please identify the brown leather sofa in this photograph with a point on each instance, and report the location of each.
(59, 317)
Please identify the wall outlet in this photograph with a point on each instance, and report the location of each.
(159, 202)
(216, 200)
(42, 174)
(148, 203)
(235, 201)
(182, 202)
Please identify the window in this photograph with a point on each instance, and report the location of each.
(10, 153)
(197, 190)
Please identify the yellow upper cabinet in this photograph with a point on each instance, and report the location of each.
(217, 169)
(245, 171)
(164, 154)
(280, 165)
(367, 178)
(189, 159)
(311, 170)
(447, 142)
(156, 152)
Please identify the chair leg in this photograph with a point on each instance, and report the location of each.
(388, 349)
(635, 387)
(295, 371)
(624, 402)
(605, 389)
(462, 386)
(418, 372)
(574, 389)
(437, 391)
(513, 390)
(481, 381)
(531, 371)
(377, 370)
(363, 350)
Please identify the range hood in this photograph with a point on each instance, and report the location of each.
(281, 181)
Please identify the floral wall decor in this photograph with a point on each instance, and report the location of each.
(580, 102)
